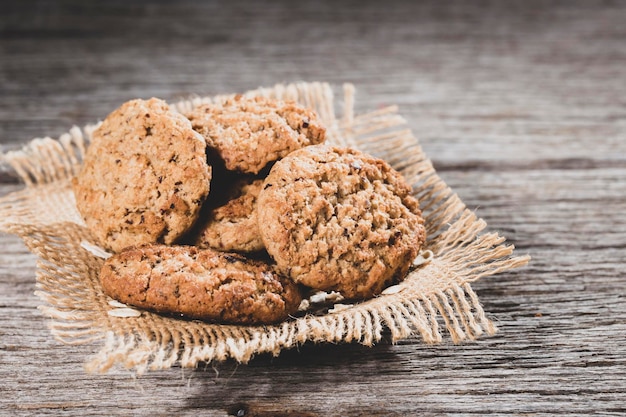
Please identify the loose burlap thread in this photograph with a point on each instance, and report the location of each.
(435, 297)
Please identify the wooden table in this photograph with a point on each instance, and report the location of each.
(521, 107)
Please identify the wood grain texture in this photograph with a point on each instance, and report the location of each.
(521, 107)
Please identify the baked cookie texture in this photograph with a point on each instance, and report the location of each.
(230, 223)
(144, 176)
(200, 284)
(336, 219)
(249, 133)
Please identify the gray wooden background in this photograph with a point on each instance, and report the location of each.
(521, 105)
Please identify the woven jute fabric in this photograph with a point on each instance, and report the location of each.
(435, 298)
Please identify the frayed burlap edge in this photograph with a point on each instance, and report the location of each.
(436, 294)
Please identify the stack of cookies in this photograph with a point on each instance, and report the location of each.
(232, 212)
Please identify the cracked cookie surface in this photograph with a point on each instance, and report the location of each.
(336, 219)
(144, 176)
(231, 225)
(201, 284)
(249, 133)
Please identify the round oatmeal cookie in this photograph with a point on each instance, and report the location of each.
(336, 219)
(144, 176)
(230, 225)
(249, 133)
(200, 284)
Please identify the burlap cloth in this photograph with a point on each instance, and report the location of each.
(436, 295)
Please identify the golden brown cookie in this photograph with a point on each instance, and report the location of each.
(249, 133)
(231, 225)
(144, 176)
(201, 284)
(336, 219)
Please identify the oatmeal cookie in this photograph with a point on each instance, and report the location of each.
(201, 284)
(231, 225)
(336, 219)
(249, 133)
(144, 176)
